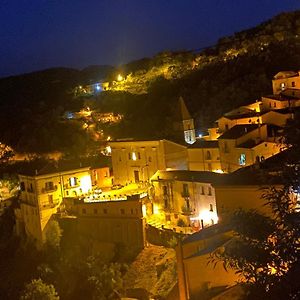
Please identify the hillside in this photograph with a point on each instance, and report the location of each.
(236, 71)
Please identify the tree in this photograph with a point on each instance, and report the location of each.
(38, 290)
(53, 234)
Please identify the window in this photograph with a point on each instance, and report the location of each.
(242, 159)
(95, 211)
(49, 186)
(185, 190)
(133, 156)
(208, 155)
(293, 84)
(83, 211)
(211, 207)
(139, 155)
(202, 190)
(105, 211)
(122, 211)
(22, 186)
(209, 191)
(150, 159)
(274, 104)
(165, 190)
(131, 211)
(73, 181)
(282, 85)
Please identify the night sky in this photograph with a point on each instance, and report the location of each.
(39, 34)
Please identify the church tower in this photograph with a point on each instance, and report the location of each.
(187, 123)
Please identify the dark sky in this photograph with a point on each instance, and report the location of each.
(38, 34)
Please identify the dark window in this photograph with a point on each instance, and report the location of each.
(22, 186)
(209, 191)
(105, 211)
(211, 207)
(49, 186)
(95, 211)
(293, 84)
(139, 155)
(208, 155)
(122, 211)
(202, 190)
(84, 211)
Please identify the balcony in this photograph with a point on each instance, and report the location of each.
(49, 189)
(185, 194)
(187, 211)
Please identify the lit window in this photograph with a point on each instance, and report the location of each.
(133, 156)
(242, 159)
(73, 181)
(282, 85)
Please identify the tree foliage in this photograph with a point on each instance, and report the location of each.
(38, 290)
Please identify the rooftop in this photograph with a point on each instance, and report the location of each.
(207, 233)
(238, 131)
(44, 167)
(185, 175)
(204, 144)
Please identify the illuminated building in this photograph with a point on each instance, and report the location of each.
(112, 221)
(42, 191)
(244, 145)
(186, 195)
(204, 156)
(196, 277)
(184, 123)
(137, 161)
(285, 80)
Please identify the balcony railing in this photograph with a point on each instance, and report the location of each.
(185, 194)
(49, 189)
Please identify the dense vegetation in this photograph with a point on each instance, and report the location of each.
(237, 71)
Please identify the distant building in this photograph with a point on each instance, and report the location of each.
(137, 161)
(285, 80)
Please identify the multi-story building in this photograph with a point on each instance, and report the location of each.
(42, 191)
(137, 161)
(185, 195)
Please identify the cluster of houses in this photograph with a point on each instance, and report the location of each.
(190, 187)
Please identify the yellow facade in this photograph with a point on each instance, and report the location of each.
(185, 195)
(195, 275)
(116, 222)
(232, 156)
(204, 158)
(137, 161)
(285, 80)
(41, 196)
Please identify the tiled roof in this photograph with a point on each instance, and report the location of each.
(238, 131)
(207, 233)
(204, 144)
